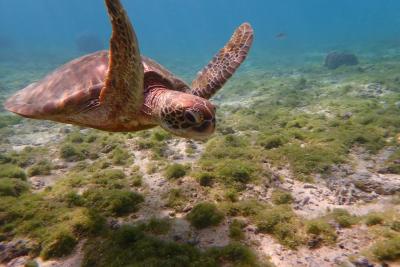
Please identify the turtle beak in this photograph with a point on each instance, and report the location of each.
(205, 129)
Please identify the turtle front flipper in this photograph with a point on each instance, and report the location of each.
(123, 90)
(224, 64)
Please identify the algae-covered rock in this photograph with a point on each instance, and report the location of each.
(334, 60)
(14, 249)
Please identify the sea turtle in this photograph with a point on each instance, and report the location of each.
(121, 91)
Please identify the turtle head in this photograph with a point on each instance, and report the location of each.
(188, 116)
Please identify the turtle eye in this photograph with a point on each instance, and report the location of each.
(191, 117)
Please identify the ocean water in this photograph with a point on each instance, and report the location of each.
(194, 30)
(295, 141)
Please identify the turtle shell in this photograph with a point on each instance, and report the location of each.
(152, 67)
(70, 88)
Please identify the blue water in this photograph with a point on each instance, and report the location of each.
(171, 30)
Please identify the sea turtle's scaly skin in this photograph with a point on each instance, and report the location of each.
(120, 90)
(69, 93)
(224, 64)
(123, 89)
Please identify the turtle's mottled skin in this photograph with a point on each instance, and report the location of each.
(121, 91)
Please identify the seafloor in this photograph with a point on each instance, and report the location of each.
(304, 170)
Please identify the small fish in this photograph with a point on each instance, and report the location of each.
(281, 36)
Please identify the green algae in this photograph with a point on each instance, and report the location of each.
(236, 230)
(176, 199)
(280, 197)
(12, 171)
(175, 171)
(129, 246)
(9, 120)
(300, 122)
(343, 218)
(204, 215)
(388, 249)
(13, 187)
(322, 231)
(42, 167)
(112, 201)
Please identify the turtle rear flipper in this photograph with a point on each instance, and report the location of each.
(224, 64)
(123, 89)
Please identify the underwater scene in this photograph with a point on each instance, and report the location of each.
(199, 133)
